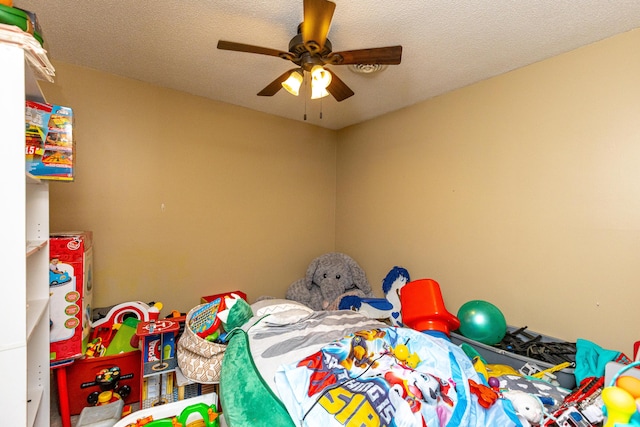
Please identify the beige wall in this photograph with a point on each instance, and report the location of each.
(248, 198)
(523, 190)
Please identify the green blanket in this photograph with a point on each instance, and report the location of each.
(245, 398)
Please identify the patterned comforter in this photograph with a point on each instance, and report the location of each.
(342, 369)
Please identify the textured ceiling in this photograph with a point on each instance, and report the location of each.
(447, 44)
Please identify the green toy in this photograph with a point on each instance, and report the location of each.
(22, 19)
(207, 412)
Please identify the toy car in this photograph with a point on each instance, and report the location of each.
(56, 279)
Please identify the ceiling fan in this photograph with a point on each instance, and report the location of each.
(311, 50)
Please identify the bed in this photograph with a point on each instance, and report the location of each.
(288, 365)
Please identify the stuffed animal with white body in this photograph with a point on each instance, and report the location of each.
(528, 407)
(382, 308)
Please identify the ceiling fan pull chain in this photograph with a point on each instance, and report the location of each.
(305, 97)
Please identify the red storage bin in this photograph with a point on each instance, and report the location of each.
(209, 298)
(88, 377)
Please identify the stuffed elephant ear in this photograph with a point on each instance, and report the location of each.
(359, 277)
(311, 271)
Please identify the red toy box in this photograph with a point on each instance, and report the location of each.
(70, 285)
(209, 298)
(87, 378)
(50, 147)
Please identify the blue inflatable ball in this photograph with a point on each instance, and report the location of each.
(482, 321)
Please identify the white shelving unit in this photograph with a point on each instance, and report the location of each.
(24, 296)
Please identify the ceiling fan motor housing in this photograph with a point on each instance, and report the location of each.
(308, 54)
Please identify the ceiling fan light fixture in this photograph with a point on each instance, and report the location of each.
(320, 77)
(318, 92)
(293, 82)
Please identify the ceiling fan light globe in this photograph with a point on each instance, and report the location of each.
(318, 92)
(293, 83)
(320, 77)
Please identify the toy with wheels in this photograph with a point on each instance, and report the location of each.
(110, 391)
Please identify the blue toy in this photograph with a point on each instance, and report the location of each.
(381, 308)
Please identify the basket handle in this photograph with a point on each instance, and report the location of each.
(623, 370)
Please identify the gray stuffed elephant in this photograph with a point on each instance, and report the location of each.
(329, 278)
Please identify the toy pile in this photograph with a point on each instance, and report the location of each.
(549, 382)
(115, 355)
(532, 345)
(131, 355)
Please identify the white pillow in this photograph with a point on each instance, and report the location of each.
(272, 306)
(287, 317)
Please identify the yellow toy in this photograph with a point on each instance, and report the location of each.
(401, 352)
(622, 399)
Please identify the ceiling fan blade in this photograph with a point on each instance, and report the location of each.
(316, 23)
(273, 87)
(240, 47)
(338, 89)
(391, 55)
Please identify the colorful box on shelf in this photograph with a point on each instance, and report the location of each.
(50, 147)
(71, 289)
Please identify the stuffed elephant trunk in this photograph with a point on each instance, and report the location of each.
(331, 289)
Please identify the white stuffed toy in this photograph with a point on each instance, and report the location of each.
(382, 308)
(528, 407)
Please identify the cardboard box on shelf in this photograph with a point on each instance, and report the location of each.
(71, 289)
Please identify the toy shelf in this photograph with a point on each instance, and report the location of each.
(32, 179)
(24, 350)
(34, 399)
(35, 246)
(35, 311)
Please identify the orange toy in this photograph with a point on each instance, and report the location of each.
(423, 307)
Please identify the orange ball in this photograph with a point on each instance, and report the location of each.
(630, 384)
